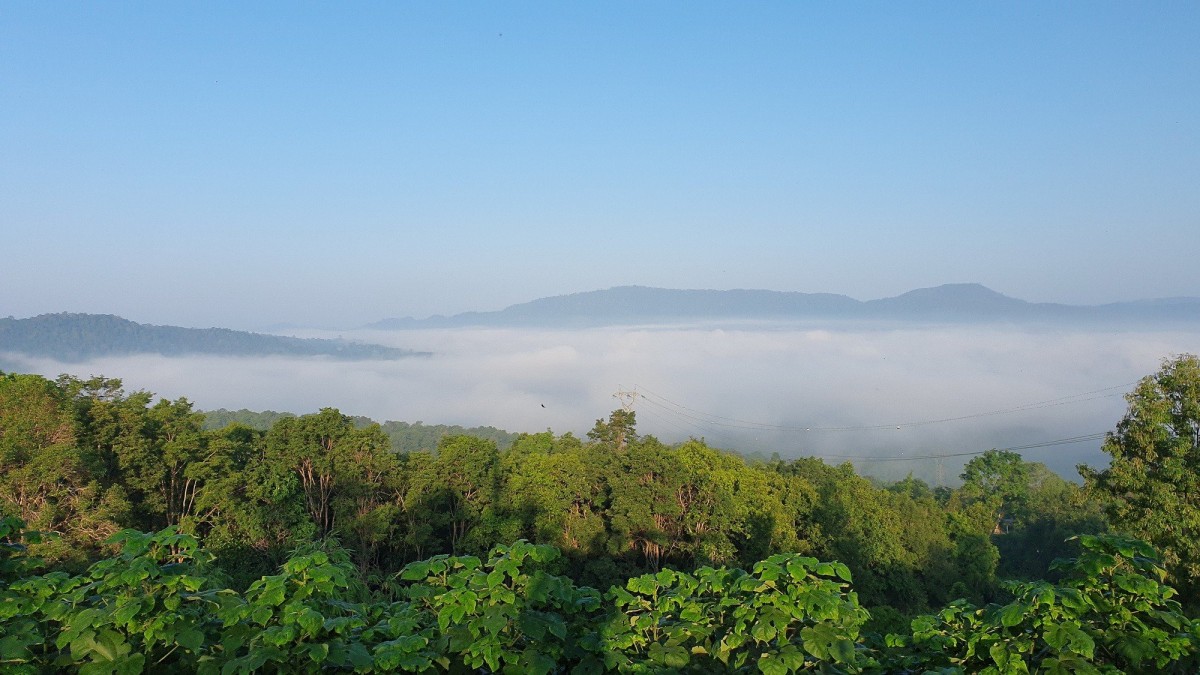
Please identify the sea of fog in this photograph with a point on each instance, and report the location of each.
(879, 395)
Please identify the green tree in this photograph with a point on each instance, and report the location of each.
(644, 483)
(1000, 479)
(558, 492)
(468, 468)
(1152, 486)
(233, 514)
(416, 493)
(161, 464)
(618, 432)
(109, 423)
(1055, 511)
(335, 463)
(45, 478)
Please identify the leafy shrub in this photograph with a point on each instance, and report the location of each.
(159, 606)
(1111, 613)
(789, 614)
(505, 613)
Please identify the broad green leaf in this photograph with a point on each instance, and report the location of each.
(311, 621)
(671, 657)
(318, 652)
(273, 594)
(538, 664)
(190, 638)
(1013, 614)
(415, 571)
(768, 665)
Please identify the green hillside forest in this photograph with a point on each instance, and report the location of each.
(78, 337)
(404, 436)
(136, 538)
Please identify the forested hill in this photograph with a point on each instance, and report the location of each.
(404, 436)
(77, 337)
(626, 305)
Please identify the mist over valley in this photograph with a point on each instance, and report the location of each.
(873, 392)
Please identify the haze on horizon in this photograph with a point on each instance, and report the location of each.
(811, 389)
(222, 165)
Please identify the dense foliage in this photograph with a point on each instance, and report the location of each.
(159, 605)
(85, 459)
(404, 436)
(320, 541)
(1152, 487)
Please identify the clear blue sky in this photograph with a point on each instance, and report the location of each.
(242, 164)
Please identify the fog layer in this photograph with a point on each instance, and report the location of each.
(793, 390)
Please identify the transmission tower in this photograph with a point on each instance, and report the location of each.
(627, 399)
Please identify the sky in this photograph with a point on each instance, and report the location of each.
(332, 164)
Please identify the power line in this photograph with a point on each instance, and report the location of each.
(627, 398)
(711, 419)
(903, 458)
(694, 431)
(1084, 438)
(683, 430)
(1030, 446)
(702, 424)
(678, 416)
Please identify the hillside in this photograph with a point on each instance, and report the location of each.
(627, 305)
(77, 337)
(404, 436)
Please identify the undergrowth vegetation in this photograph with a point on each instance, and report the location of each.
(160, 606)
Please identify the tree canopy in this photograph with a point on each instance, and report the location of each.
(680, 535)
(1151, 489)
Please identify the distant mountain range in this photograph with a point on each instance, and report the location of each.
(78, 337)
(950, 303)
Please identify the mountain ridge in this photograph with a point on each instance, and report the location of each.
(960, 302)
(73, 337)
